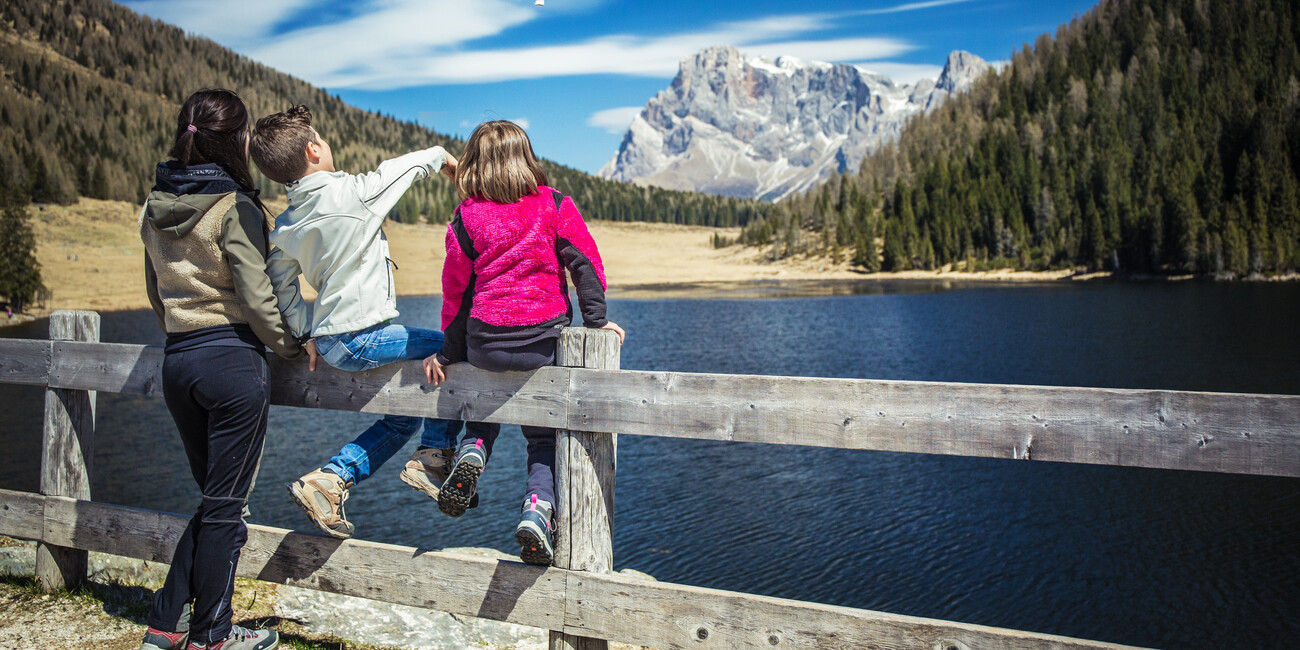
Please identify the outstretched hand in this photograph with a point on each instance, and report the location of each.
(449, 167)
(433, 371)
(611, 325)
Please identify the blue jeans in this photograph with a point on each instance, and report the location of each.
(368, 349)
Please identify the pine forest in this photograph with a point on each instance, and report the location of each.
(89, 92)
(1146, 137)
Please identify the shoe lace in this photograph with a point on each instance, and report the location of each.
(241, 633)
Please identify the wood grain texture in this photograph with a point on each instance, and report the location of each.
(609, 606)
(107, 367)
(25, 361)
(536, 397)
(462, 585)
(67, 448)
(670, 616)
(584, 481)
(21, 514)
(1214, 432)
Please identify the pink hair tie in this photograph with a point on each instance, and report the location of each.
(192, 129)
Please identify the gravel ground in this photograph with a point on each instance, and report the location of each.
(109, 613)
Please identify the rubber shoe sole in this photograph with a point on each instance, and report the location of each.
(419, 483)
(533, 548)
(301, 499)
(458, 493)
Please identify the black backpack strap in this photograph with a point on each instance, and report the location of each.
(559, 198)
(462, 237)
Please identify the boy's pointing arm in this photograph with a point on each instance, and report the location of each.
(381, 189)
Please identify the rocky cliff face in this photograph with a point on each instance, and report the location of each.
(748, 127)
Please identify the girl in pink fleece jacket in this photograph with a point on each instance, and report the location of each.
(504, 301)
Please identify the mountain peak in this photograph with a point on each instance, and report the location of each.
(961, 70)
(748, 126)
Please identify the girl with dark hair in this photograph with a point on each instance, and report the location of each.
(205, 235)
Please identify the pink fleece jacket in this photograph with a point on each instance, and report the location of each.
(518, 273)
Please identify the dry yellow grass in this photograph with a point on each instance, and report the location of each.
(91, 258)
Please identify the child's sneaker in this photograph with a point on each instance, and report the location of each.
(428, 469)
(535, 532)
(155, 639)
(458, 490)
(243, 639)
(321, 494)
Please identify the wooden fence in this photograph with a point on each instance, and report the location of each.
(590, 401)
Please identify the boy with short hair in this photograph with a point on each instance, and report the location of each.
(332, 233)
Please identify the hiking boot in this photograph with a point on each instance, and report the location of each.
(241, 638)
(155, 639)
(535, 532)
(321, 494)
(458, 491)
(428, 469)
(159, 640)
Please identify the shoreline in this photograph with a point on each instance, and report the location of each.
(91, 258)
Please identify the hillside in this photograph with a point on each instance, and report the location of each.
(1148, 136)
(89, 92)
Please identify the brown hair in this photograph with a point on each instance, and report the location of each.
(499, 164)
(212, 127)
(279, 144)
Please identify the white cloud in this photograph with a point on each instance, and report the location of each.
(523, 122)
(847, 49)
(233, 23)
(911, 6)
(407, 43)
(614, 120)
(903, 73)
(376, 48)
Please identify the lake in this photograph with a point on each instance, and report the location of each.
(1146, 557)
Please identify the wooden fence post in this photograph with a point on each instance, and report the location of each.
(585, 464)
(66, 450)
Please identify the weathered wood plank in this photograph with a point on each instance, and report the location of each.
(670, 616)
(609, 606)
(24, 361)
(67, 447)
(21, 514)
(107, 367)
(537, 397)
(1216, 432)
(584, 480)
(468, 586)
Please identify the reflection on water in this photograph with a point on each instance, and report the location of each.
(1146, 557)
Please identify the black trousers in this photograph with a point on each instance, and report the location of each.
(541, 440)
(219, 398)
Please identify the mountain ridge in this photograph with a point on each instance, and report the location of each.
(746, 126)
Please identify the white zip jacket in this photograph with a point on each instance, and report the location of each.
(332, 233)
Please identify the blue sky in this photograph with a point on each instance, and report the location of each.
(574, 72)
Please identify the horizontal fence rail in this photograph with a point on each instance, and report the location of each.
(589, 605)
(1214, 432)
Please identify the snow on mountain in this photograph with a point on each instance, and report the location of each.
(750, 127)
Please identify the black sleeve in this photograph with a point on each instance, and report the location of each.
(454, 348)
(591, 296)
